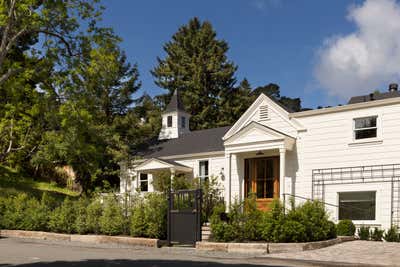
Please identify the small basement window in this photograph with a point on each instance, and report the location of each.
(365, 128)
(357, 205)
(144, 182)
(169, 121)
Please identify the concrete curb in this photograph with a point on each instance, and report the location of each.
(91, 239)
(268, 248)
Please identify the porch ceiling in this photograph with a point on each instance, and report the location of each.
(156, 164)
(256, 136)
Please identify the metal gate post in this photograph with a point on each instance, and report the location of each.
(169, 218)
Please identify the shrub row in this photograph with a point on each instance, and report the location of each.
(391, 235)
(141, 217)
(305, 223)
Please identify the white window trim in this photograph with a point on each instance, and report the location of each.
(172, 121)
(140, 182)
(359, 221)
(378, 203)
(198, 168)
(367, 141)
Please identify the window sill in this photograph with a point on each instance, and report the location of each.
(370, 223)
(366, 142)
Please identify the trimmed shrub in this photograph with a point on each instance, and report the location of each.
(93, 212)
(313, 217)
(138, 224)
(251, 221)
(332, 230)
(156, 208)
(377, 234)
(36, 216)
(345, 228)
(62, 219)
(308, 222)
(3, 206)
(221, 230)
(211, 197)
(392, 235)
(112, 220)
(81, 222)
(14, 213)
(364, 233)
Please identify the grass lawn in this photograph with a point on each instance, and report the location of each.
(12, 183)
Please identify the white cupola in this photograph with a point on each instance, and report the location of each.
(175, 120)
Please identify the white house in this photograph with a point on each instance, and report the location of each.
(346, 156)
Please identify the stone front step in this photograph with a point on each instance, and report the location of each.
(205, 232)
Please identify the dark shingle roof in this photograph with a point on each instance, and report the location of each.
(194, 142)
(372, 97)
(175, 103)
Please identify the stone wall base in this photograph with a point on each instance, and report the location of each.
(267, 248)
(93, 239)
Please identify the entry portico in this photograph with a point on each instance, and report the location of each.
(256, 160)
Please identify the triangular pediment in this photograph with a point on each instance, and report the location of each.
(255, 132)
(155, 164)
(267, 112)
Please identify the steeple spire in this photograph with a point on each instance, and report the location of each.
(175, 104)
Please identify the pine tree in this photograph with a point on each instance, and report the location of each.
(235, 103)
(196, 64)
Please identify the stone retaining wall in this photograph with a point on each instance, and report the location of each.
(93, 239)
(266, 248)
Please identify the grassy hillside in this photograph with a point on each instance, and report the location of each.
(12, 182)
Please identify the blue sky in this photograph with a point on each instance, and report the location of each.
(278, 41)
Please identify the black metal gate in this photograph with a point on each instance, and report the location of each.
(184, 217)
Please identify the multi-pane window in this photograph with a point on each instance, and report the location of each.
(365, 128)
(357, 205)
(144, 182)
(183, 122)
(169, 121)
(203, 170)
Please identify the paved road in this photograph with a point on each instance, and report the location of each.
(33, 253)
(357, 252)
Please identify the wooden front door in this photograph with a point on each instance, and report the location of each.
(262, 180)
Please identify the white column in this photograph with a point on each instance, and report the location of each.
(172, 176)
(282, 164)
(137, 182)
(228, 179)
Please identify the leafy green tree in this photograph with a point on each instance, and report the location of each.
(273, 90)
(54, 24)
(196, 64)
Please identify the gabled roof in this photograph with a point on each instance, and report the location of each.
(255, 132)
(175, 104)
(155, 164)
(201, 141)
(373, 97)
(243, 120)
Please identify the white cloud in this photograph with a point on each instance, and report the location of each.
(362, 61)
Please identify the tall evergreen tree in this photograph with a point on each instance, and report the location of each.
(196, 64)
(234, 103)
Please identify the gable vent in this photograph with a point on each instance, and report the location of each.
(263, 113)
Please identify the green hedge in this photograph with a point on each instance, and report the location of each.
(308, 222)
(142, 217)
(346, 228)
